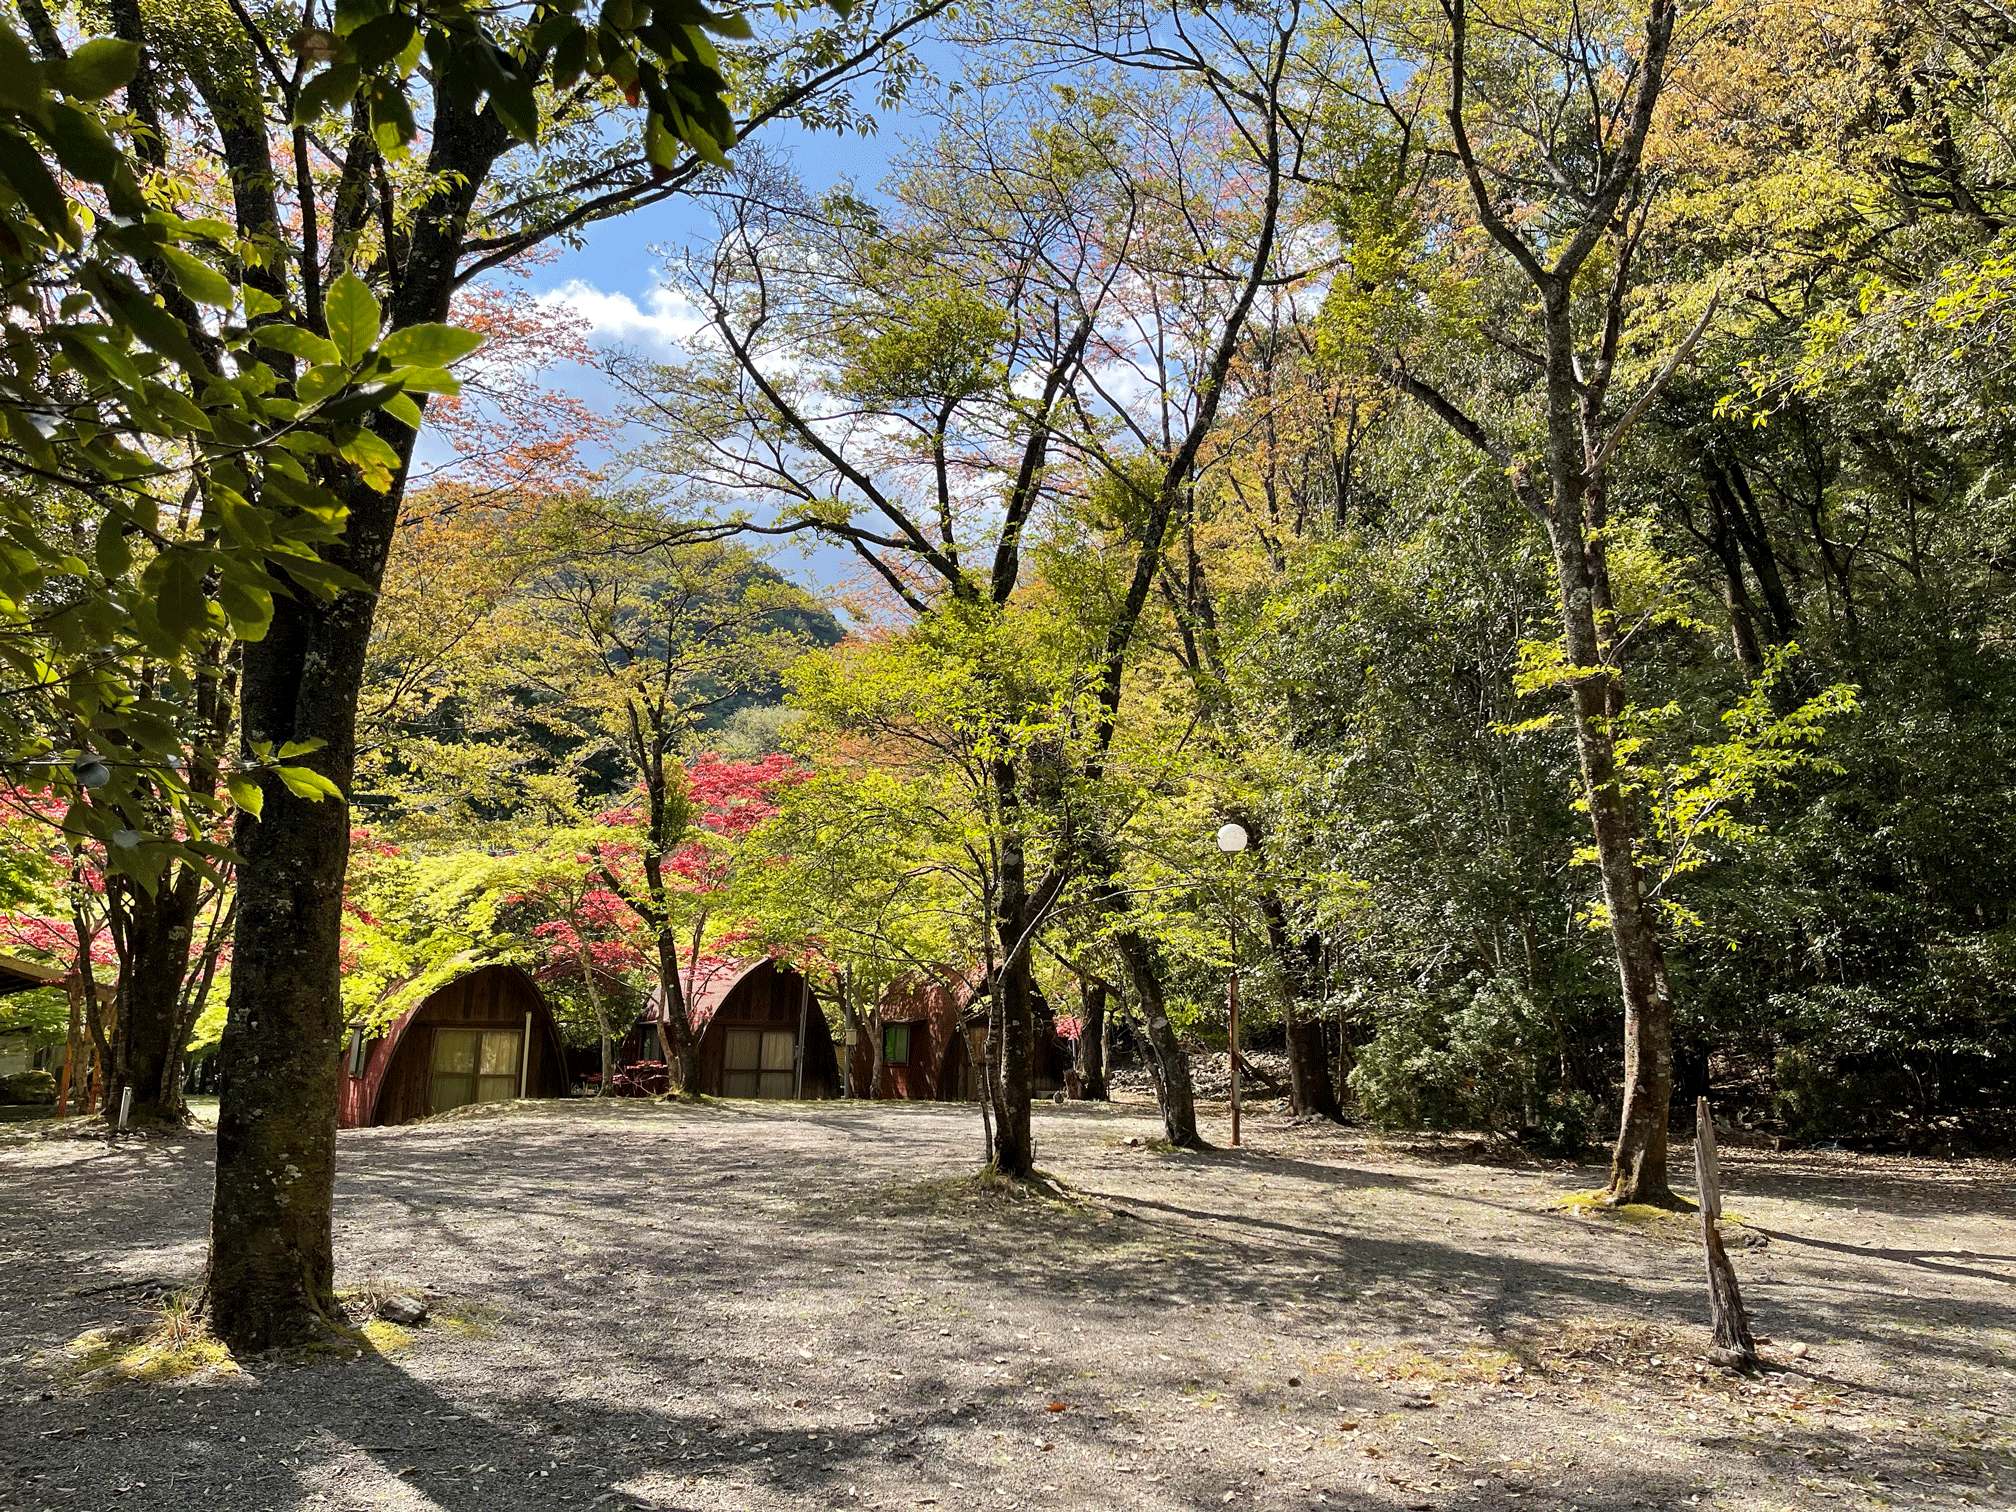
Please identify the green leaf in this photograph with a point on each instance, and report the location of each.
(319, 382)
(570, 58)
(297, 342)
(113, 554)
(97, 68)
(22, 166)
(429, 346)
(246, 793)
(20, 79)
(517, 106)
(82, 146)
(326, 91)
(25, 435)
(249, 606)
(92, 352)
(161, 331)
(352, 316)
(381, 39)
(198, 279)
(258, 302)
(307, 747)
(176, 406)
(324, 579)
(425, 380)
(402, 408)
(303, 782)
(375, 460)
(392, 123)
(149, 731)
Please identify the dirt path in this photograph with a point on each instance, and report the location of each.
(803, 1306)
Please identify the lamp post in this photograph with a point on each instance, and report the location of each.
(1232, 840)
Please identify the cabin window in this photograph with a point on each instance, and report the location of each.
(357, 1052)
(758, 1063)
(473, 1066)
(896, 1044)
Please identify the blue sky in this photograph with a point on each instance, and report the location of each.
(612, 279)
(618, 258)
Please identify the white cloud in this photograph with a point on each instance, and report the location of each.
(667, 321)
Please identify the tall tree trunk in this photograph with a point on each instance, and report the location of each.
(676, 1019)
(72, 1092)
(1570, 506)
(878, 1055)
(1174, 1089)
(1092, 1043)
(604, 1031)
(1638, 1165)
(1310, 1091)
(158, 930)
(1736, 505)
(271, 1244)
(272, 1259)
(1014, 1146)
(195, 997)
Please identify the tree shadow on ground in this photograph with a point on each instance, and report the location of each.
(689, 1296)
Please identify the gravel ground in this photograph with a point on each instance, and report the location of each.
(772, 1306)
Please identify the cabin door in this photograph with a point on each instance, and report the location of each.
(758, 1063)
(472, 1066)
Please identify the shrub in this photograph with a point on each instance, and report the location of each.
(1478, 1061)
(28, 1087)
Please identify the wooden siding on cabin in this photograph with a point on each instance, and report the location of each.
(394, 1088)
(760, 995)
(771, 997)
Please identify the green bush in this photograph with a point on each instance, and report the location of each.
(1821, 1095)
(28, 1087)
(1481, 1061)
(1566, 1124)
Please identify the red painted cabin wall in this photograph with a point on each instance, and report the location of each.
(938, 1070)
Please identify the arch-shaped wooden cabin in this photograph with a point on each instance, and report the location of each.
(487, 1036)
(749, 1016)
(934, 1036)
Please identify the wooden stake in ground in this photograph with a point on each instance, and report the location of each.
(1733, 1344)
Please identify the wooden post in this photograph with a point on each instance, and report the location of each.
(804, 1018)
(1232, 1004)
(73, 1041)
(1733, 1344)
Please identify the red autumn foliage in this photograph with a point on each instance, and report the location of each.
(509, 430)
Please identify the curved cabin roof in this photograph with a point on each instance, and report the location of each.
(17, 975)
(709, 987)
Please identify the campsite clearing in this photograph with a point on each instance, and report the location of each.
(761, 1305)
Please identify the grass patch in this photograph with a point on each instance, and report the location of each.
(384, 1338)
(1475, 1365)
(1596, 1203)
(472, 1320)
(992, 1183)
(178, 1347)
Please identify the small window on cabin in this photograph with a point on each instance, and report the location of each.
(357, 1052)
(896, 1044)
